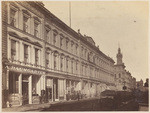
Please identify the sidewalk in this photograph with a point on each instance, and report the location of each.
(39, 107)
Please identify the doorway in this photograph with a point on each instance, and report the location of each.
(55, 89)
(25, 89)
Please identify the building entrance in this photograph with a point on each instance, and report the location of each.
(25, 93)
(25, 89)
(55, 89)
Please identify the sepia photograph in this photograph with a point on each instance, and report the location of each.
(74, 56)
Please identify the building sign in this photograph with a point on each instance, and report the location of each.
(26, 70)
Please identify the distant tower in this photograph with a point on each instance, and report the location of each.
(119, 56)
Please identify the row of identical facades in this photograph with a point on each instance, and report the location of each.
(43, 57)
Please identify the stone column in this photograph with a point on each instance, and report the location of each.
(30, 89)
(40, 55)
(50, 59)
(20, 84)
(65, 91)
(58, 60)
(9, 48)
(22, 51)
(64, 64)
(52, 89)
(20, 87)
(7, 80)
(32, 52)
(29, 53)
(17, 51)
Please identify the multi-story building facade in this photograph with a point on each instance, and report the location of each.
(43, 57)
(123, 78)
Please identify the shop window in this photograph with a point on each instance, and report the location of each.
(13, 83)
(13, 49)
(25, 53)
(36, 56)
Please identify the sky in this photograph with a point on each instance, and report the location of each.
(111, 24)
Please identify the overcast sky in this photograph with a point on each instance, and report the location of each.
(110, 23)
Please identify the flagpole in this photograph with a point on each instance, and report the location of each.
(70, 13)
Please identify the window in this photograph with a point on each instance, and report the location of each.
(54, 38)
(61, 63)
(76, 66)
(85, 70)
(82, 69)
(25, 23)
(13, 49)
(47, 60)
(67, 44)
(76, 48)
(36, 29)
(13, 17)
(82, 51)
(67, 64)
(47, 35)
(55, 63)
(85, 53)
(36, 56)
(119, 75)
(61, 39)
(72, 46)
(72, 66)
(25, 53)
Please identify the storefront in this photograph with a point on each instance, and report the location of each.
(55, 89)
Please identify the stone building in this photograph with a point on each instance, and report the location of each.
(140, 85)
(43, 57)
(122, 76)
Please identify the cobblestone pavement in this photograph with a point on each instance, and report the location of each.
(36, 107)
(143, 107)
